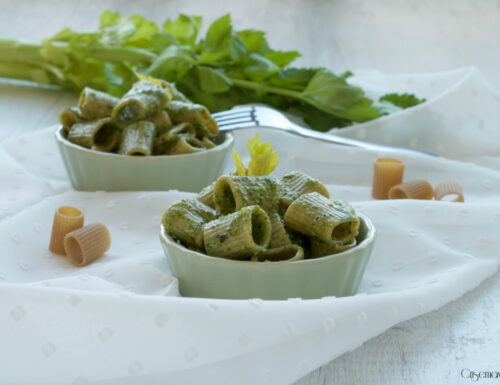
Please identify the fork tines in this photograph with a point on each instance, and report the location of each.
(237, 117)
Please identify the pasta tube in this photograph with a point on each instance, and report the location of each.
(185, 144)
(142, 100)
(96, 104)
(320, 248)
(314, 215)
(238, 235)
(70, 116)
(279, 236)
(196, 114)
(206, 196)
(85, 245)
(167, 139)
(449, 188)
(185, 220)
(231, 193)
(137, 139)
(295, 184)
(66, 220)
(100, 133)
(415, 189)
(161, 120)
(283, 253)
(387, 172)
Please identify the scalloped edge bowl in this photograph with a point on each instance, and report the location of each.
(337, 275)
(91, 170)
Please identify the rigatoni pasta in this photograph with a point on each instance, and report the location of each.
(242, 234)
(232, 192)
(449, 188)
(137, 139)
(99, 132)
(104, 123)
(313, 214)
(415, 189)
(387, 172)
(295, 184)
(66, 220)
(86, 244)
(246, 223)
(186, 220)
(142, 100)
(95, 104)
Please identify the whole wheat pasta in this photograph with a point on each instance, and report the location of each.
(449, 188)
(387, 172)
(66, 220)
(85, 245)
(415, 189)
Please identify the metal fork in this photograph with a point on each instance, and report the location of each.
(251, 116)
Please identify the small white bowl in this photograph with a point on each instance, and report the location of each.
(91, 170)
(204, 276)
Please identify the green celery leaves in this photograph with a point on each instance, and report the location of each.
(222, 69)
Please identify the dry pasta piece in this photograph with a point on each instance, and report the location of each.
(449, 188)
(415, 189)
(387, 172)
(284, 253)
(66, 219)
(85, 245)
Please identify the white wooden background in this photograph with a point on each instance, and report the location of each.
(390, 36)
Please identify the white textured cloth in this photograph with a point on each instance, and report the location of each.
(120, 320)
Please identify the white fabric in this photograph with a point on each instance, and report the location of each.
(120, 321)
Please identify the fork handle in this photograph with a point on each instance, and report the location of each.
(307, 133)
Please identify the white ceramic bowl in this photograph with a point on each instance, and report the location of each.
(211, 277)
(91, 170)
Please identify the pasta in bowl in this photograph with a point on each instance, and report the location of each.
(247, 237)
(153, 138)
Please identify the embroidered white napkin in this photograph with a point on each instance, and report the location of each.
(120, 320)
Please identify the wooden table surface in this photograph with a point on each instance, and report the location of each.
(390, 36)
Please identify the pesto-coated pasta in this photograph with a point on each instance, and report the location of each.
(282, 253)
(137, 139)
(185, 223)
(206, 196)
(314, 215)
(239, 235)
(234, 192)
(142, 100)
(196, 114)
(295, 184)
(70, 116)
(161, 120)
(185, 144)
(99, 132)
(279, 235)
(320, 248)
(95, 104)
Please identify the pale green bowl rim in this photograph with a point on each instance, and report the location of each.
(227, 142)
(369, 238)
